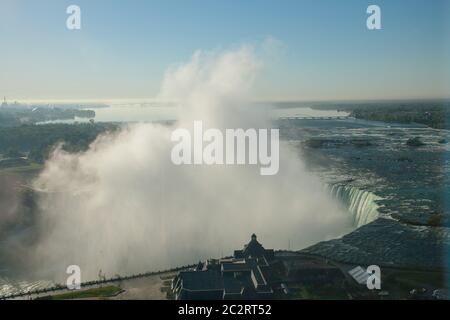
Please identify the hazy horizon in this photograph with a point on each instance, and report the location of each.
(154, 100)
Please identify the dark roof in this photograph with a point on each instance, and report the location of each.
(259, 277)
(254, 248)
(201, 280)
(235, 267)
(232, 286)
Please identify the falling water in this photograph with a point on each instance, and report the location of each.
(361, 204)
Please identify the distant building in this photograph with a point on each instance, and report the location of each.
(244, 276)
(4, 103)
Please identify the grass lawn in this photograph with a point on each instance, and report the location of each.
(101, 292)
(412, 279)
(321, 292)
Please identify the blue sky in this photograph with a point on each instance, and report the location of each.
(124, 47)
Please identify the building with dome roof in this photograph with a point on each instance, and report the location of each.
(243, 276)
(254, 249)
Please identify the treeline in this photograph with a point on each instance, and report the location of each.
(10, 116)
(435, 114)
(38, 140)
(8, 120)
(435, 117)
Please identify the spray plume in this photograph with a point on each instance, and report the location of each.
(123, 206)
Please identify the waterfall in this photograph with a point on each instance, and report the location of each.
(361, 204)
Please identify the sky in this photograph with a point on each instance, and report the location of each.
(324, 49)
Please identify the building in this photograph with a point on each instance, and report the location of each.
(244, 276)
(254, 249)
(4, 103)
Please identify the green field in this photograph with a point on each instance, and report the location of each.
(101, 292)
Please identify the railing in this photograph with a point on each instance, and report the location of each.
(59, 287)
(316, 118)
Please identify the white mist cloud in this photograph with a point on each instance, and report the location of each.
(9, 199)
(123, 207)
